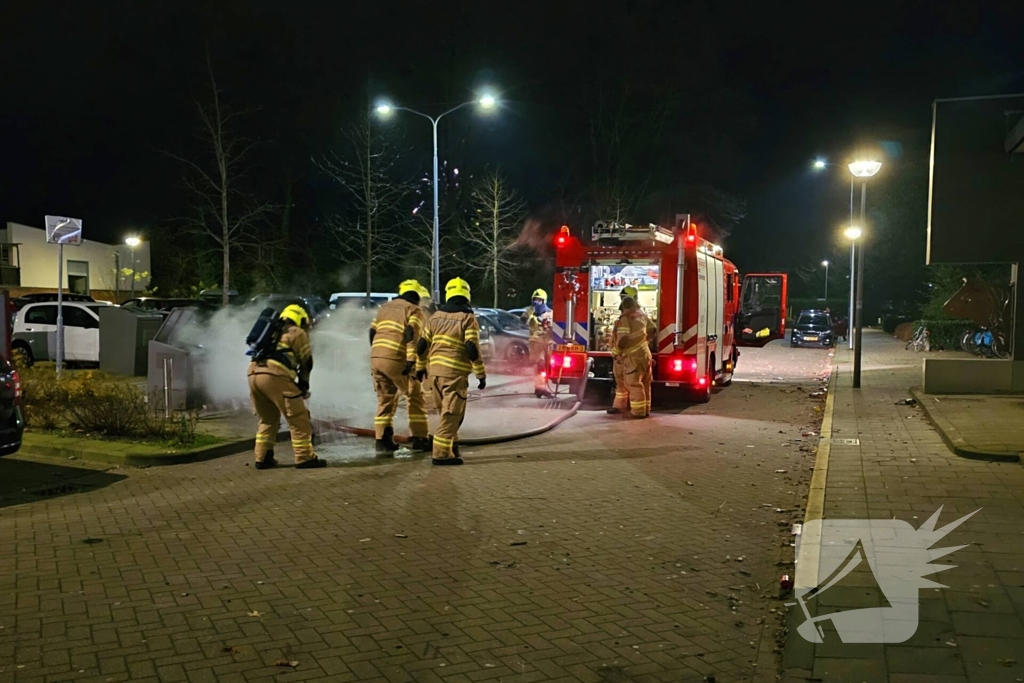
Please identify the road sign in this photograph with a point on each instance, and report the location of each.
(63, 230)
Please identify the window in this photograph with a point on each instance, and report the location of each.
(728, 287)
(41, 315)
(79, 317)
(78, 277)
(819, 320)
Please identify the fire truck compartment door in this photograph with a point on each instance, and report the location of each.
(762, 314)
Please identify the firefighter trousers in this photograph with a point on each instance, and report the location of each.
(450, 398)
(540, 355)
(621, 401)
(274, 396)
(636, 375)
(390, 383)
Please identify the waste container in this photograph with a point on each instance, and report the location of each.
(173, 363)
(124, 339)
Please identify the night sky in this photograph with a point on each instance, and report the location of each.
(91, 92)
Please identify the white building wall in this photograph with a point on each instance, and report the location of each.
(38, 259)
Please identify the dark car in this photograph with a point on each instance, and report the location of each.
(812, 328)
(158, 304)
(12, 423)
(314, 305)
(509, 334)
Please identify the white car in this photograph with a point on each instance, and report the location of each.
(81, 331)
(358, 299)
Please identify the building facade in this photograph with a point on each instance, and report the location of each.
(105, 271)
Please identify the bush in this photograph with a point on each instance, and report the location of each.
(87, 401)
(945, 334)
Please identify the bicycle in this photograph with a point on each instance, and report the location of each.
(921, 341)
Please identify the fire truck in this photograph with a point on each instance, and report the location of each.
(701, 305)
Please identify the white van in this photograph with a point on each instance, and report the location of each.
(358, 299)
(81, 330)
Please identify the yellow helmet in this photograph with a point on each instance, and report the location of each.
(456, 287)
(410, 286)
(295, 314)
(629, 290)
(423, 292)
(540, 294)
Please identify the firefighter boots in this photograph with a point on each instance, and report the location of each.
(543, 393)
(311, 464)
(267, 462)
(421, 444)
(447, 461)
(386, 446)
(614, 411)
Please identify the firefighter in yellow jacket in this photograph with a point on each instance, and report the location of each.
(278, 384)
(449, 351)
(539, 319)
(621, 403)
(632, 353)
(393, 339)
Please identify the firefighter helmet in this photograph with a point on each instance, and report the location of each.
(540, 294)
(295, 314)
(409, 286)
(423, 291)
(628, 304)
(456, 287)
(629, 290)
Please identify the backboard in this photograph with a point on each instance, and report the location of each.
(63, 230)
(976, 194)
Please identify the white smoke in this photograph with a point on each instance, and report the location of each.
(340, 385)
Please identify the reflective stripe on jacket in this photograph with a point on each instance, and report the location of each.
(446, 335)
(398, 327)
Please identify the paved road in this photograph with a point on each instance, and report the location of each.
(605, 551)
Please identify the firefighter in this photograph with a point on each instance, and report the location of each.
(621, 402)
(539, 318)
(278, 385)
(393, 339)
(450, 349)
(633, 354)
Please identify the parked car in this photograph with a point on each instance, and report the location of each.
(12, 422)
(812, 328)
(158, 304)
(36, 321)
(216, 296)
(359, 300)
(509, 334)
(314, 305)
(39, 297)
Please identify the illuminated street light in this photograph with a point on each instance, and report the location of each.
(862, 169)
(852, 233)
(820, 164)
(865, 169)
(825, 263)
(132, 242)
(485, 101)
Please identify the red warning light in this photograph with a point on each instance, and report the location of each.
(703, 381)
(677, 365)
(563, 236)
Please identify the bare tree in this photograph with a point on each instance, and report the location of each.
(493, 229)
(223, 207)
(366, 171)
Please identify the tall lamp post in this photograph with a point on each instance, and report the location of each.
(852, 233)
(825, 263)
(864, 170)
(821, 164)
(485, 101)
(133, 242)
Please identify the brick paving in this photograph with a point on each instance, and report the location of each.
(605, 551)
(982, 424)
(974, 629)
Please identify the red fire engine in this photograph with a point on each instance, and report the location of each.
(697, 299)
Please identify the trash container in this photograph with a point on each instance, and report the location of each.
(124, 339)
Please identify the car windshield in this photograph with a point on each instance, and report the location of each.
(505, 321)
(819, 320)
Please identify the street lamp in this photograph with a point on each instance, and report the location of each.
(825, 263)
(132, 242)
(485, 101)
(852, 233)
(863, 169)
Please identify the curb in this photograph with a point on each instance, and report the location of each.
(128, 459)
(797, 653)
(952, 437)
